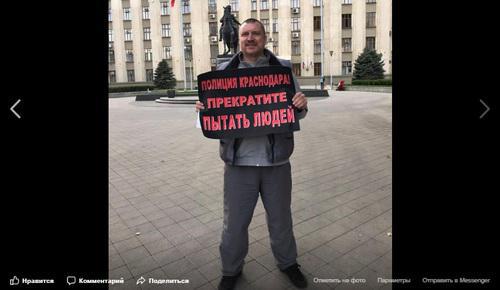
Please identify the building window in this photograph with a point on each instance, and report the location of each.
(109, 15)
(253, 5)
(130, 75)
(212, 6)
(128, 34)
(165, 30)
(317, 46)
(346, 1)
(346, 68)
(265, 22)
(275, 24)
(214, 51)
(112, 76)
(295, 4)
(111, 55)
(295, 47)
(188, 52)
(147, 33)
(317, 3)
(346, 21)
(165, 8)
(127, 14)
(370, 19)
(263, 5)
(275, 4)
(129, 54)
(186, 29)
(212, 28)
(111, 37)
(295, 24)
(235, 5)
(371, 1)
(145, 12)
(317, 22)
(346, 45)
(276, 48)
(186, 7)
(166, 52)
(149, 75)
(148, 54)
(370, 43)
(296, 69)
(317, 68)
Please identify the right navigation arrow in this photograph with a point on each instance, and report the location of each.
(487, 109)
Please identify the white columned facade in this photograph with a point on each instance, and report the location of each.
(200, 39)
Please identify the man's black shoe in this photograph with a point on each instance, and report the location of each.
(295, 276)
(228, 282)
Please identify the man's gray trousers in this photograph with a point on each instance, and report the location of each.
(242, 185)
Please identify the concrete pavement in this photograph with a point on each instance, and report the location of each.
(165, 196)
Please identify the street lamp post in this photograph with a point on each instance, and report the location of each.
(322, 79)
(331, 69)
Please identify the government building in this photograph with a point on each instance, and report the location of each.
(318, 40)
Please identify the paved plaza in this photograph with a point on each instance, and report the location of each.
(165, 197)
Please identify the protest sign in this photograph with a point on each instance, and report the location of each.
(247, 102)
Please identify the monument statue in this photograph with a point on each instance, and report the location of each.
(229, 31)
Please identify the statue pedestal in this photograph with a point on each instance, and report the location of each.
(223, 58)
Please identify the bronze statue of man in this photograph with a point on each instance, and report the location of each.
(229, 30)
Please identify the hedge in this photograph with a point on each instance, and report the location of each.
(122, 89)
(384, 82)
(136, 88)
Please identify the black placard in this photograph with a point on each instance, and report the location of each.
(247, 102)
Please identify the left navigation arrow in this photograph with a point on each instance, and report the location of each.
(12, 109)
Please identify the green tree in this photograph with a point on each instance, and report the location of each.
(164, 78)
(369, 66)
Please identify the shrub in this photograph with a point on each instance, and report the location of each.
(385, 82)
(369, 66)
(164, 77)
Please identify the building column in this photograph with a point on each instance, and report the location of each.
(200, 38)
(137, 40)
(383, 41)
(177, 40)
(358, 29)
(156, 39)
(307, 36)
(284, 34)
(245, 10)
(119, 40)
(333, 34)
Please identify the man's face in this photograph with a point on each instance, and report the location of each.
(252, 39)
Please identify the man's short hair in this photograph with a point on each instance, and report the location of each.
(253, 20)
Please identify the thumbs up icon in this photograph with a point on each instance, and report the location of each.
(14, 281)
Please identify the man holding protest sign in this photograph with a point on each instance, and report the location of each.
(256, 163)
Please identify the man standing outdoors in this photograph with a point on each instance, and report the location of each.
(258, 165)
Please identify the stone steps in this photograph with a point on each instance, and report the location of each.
(178, 100)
